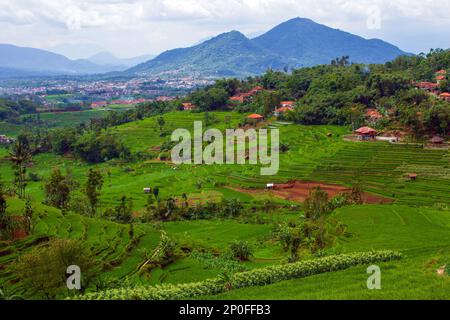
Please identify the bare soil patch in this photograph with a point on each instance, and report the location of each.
(298, 191)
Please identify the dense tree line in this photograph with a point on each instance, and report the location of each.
(10, 109)
(341, 93)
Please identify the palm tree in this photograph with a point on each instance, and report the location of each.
(20, 156)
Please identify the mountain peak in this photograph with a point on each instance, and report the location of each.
(298, 42)
(308, 43)
(231, 35)
(102, 54)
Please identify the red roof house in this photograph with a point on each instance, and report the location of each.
(439, 78)
(441, 72)
(427, 85)
(287, 103)
(366, 133)
(188, 106)
(373, 115)
(255, 116)
(238, 98)
(445, 96)
(283, 110)
(257, 89)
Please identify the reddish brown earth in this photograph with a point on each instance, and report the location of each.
(298, 191)
(19, 232)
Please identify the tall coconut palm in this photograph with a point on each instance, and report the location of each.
(20, 156)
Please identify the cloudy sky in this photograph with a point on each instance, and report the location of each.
(127, 28)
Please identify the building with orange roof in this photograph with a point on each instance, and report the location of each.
(373, 115)
(99, 104)
(283, 110)
(287, 103)
(445, 96)
(441, 72)
(254, 118)
(187, 106)
(429, 86)
(366, 133)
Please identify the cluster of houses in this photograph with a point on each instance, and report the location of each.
(370, 134)
(5, 139)
(433, 87)
(247, 96)
(102, 104)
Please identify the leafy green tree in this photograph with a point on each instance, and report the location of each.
(58, 189)
(96, 148)
(43, 269)
(316, 205)
(124, 211)
(63, 140)
(93, 187)
(437, 118)
(155, 191)
(210, 99)
(444, 86)
(231, 207)
(161, 124)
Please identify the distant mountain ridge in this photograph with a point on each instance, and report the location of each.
(295, 43)
(22, 61)
(18, 61)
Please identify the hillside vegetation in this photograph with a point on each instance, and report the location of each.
(105, 194)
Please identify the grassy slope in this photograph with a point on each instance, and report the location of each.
(314, 156)
(53, 120)
(421, 234)
(108, 240)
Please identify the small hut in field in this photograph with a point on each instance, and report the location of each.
(366, 133)
(255, 118)
(436, 140)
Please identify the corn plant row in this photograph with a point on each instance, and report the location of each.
(256, 277)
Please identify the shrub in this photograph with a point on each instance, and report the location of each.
(34, 177)
(43, 269)
(257, 277)
(226, 263)
(241, 250)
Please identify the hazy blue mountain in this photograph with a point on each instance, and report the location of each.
(6, 73)
(106, 58)
(295, 43)
(44, 62)
(229, 54)
(75, 51)
(308, 43)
